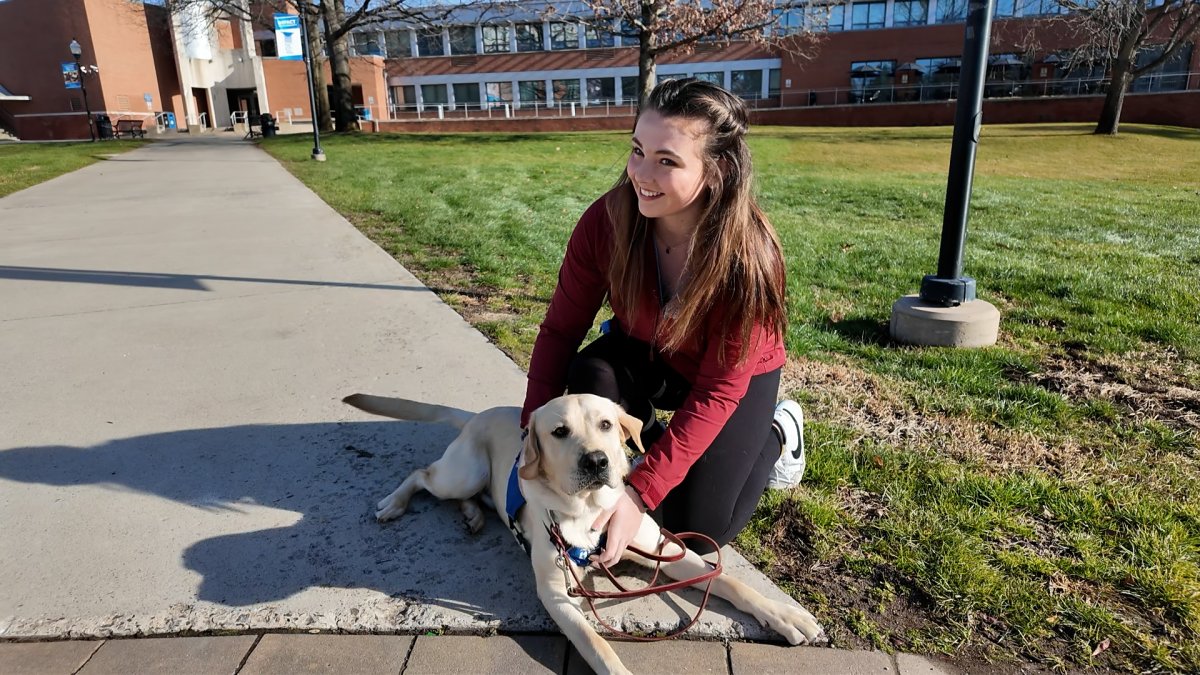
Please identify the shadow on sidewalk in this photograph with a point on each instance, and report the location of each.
(332, 475)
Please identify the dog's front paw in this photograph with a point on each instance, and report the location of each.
(796, 624)
(389, 509)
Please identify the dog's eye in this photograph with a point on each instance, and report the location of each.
(560, 432)
(605, 425)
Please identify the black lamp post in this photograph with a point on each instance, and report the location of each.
(77, 51)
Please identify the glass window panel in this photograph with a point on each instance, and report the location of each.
(398, 43)
(499, 92)
(715, 77)
(629, 88)
(601, 89)
(746, 83)
(462, 40)
(529, 37)
(911, 13)
(867, 15)
(495, 39)
(599, 35)
(1005, 8)
(565, 91)
(564, 35)
(429, 43)
(532, 91)
(466, 92)
(366, 43)
(950, 11)
(788, 21)
(773, 81)
(434, 94)
(629, 34)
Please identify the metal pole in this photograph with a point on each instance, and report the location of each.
(948, 287)
(317, 153)
(86, 108)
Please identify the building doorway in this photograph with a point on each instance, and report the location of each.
(245, 100)
(204, 116)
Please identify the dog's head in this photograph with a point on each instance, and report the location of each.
(577, 443)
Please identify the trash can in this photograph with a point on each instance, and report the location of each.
(268, 126)
(104, 127)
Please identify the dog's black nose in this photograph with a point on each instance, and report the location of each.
(594, 462)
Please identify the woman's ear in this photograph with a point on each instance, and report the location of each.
(632, 428)
(531, 462)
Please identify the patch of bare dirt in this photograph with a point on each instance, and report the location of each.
(1147, 386)
(872, 407)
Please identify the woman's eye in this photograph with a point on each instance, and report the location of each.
(605, 425)
(560, 432)
(637, 151)
(666, 162)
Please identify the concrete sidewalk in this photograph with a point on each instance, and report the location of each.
(179, 325)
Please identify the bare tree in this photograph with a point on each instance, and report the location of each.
(1133, 37)
(666, 26)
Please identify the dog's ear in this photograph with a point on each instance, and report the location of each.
(632, 428)
(531, 463)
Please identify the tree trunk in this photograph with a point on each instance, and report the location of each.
(1110, 115)
(342, 104)
(320, 92)
(647, 52)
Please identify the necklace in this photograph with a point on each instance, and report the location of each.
(667, 247)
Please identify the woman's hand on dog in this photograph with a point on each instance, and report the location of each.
(622, 521)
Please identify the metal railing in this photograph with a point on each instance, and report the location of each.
(284, 115)
(513, 110)
(866, 94)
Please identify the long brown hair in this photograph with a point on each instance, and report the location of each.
(735, 264)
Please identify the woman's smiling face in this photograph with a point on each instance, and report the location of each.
(666, 166)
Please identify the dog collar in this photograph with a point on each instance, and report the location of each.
(582, 556)
(513, 503)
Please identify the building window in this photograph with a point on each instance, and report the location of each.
(867, 15)
(601, 89)
(365, 43)
(429, 43)
(398, 43)
(1170, 76)
(529, 37)
(630, 88)
(499, 92)
(462, 40)
(629, 35)
(565, 91)
(773, 81)
(409, 96)
(746, 83)
(433, 94)
(266, 48)
(911, 13)
(599, 35)
(532, 91)
(788, 21)
(951, 11)
(1005, 8)
(466, 93)
(495, 39)
(827, 18)
(564, 35)
(1040, 7)
(716, 77)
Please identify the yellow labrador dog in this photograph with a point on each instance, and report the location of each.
(570, 468)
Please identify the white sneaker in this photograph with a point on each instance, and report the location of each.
(789, 421)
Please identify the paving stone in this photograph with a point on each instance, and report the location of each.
(519, 655)
(680, 657)
(292, 654)
(759, 659)
(911, 664)
(215, 655)
(44, 658)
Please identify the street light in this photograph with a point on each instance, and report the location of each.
(77, 51)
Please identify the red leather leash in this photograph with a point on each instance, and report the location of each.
(579, 591)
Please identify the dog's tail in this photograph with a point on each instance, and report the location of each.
(404, 409)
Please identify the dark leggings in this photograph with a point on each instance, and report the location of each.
(722, 489)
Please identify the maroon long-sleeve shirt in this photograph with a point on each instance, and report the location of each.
(718, 385)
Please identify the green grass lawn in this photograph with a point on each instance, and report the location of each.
(1038, 501)
(26, 164)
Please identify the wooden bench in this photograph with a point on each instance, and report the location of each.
(131, 127)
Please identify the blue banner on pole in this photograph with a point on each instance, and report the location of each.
(288, 37)
(70, 73)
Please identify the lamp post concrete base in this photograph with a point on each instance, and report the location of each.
(971, 324)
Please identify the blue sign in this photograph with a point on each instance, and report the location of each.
(288, 37)
(71, 76)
